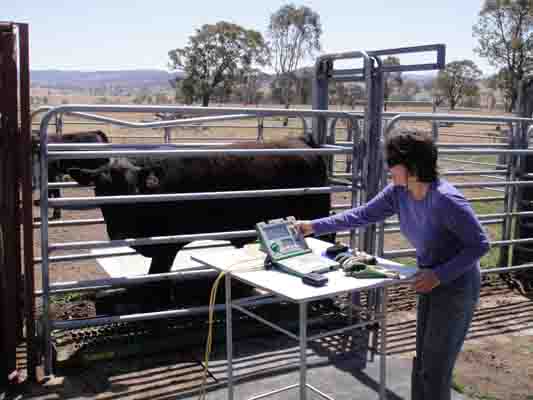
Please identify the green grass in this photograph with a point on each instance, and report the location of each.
(458, 387)
(66, 298)
(407, 261)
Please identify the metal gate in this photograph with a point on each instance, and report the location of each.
(14, 197)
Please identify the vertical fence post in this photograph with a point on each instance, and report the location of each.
(521, 198)
(10, 321)
(435, 125)
(260, 129)
(27, 209)
(168, 137)
(373, 119)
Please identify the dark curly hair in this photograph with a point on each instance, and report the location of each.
(415, 150)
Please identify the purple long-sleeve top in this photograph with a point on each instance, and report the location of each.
(442, 226)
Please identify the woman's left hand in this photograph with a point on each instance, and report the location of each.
(425, 281)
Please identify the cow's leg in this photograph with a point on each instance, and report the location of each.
(57, 211)
(162, 263)
(159, 294)
(54, 193)
(241, 242)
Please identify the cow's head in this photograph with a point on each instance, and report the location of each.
(120, 177)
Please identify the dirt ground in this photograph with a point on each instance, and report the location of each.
(497, 361)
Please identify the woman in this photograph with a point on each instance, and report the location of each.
(449, 240)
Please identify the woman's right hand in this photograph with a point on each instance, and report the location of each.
(305, 227)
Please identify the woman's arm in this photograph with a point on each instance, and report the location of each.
(459, 217)
(378, 209)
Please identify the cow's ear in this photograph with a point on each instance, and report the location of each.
(83, 176)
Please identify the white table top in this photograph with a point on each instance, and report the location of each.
(137, 265)
(289, 286)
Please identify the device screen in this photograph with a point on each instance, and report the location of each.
(275, 232)
(281, 238)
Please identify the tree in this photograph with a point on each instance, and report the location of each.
(437, 93)
(161, 98)
(355, 93)
(457, 80)
(304, 88)
(248, 85)
(294, 33)
(390, 79)
(408, 90)
(214, 55)
(503, 81)
(505, 37)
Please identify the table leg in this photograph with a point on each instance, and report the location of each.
(229, 336)
(374, 309)
(303, 350)
(383, 347)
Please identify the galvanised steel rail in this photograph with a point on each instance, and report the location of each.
(340, 75)
(156, 198)
(459, 161)
(83, 257)
(74, 286)
(155, 240)
(465, 172)
(192, 153)
(480, 217)
(472, 145)
(484, 222)
(165, 124)
(496, 243)
(459, 118)
(138, 146)
(494, 138)
(98, 321)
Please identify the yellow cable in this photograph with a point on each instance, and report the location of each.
(209, 341)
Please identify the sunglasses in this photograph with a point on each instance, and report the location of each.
(392, 161)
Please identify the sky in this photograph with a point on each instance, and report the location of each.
(130, 34)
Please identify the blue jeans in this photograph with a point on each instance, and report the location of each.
(443, 318)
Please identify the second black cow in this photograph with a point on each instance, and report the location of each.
(58, 168)
(143, 175)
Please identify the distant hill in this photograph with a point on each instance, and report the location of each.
(127, 79)
(122, 82)
(420, 78)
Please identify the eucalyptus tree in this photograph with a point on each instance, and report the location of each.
(459, 79)
(505, 38)
(215, 56)
(294, 34)
(390, 79)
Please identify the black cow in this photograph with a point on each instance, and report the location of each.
(58, 168)
(169, 174)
